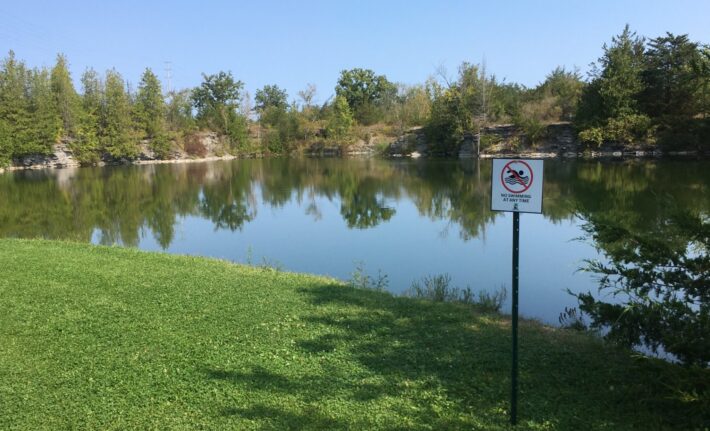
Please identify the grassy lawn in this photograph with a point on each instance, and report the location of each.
(113, 338)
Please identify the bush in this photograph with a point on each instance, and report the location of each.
(359, 279)
(625, 129)
(488, 141)
(593, 135)
(160, 146)
(272, 140)
(340, 121)
(237, 132)
(629, 128)
(533, 129)
(438, 288)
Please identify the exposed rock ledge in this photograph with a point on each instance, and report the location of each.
(61, 157)
(497, 141)
(208, 143)
(507, 140)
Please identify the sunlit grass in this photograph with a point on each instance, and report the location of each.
(113, 338)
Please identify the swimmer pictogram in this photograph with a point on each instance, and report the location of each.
(516, 176)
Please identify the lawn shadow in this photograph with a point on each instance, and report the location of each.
(447, 361)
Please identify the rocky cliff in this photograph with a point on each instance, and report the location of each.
(198, 146)
(508, 140)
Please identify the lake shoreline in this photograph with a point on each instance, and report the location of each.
(126, 163)
(594, 155)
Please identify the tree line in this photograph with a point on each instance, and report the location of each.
(655, 91)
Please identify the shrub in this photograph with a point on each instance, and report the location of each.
(272, 141)
(492, 302)
(160, 146)
(532, 128)
(593, 135)
(629, 128)
(488, 141)
(623, 129)
(438, 288)
(359, 279)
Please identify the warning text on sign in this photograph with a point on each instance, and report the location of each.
(509, 197)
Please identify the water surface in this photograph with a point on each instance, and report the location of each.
(407, 219)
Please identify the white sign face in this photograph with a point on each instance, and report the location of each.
(516, 185)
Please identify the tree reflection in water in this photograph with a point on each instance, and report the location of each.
(123, 204)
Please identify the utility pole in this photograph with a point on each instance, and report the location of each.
(168, 76)
(483, 106)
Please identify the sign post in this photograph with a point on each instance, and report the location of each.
(516, 186)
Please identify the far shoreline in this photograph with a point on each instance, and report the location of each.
(585, 155)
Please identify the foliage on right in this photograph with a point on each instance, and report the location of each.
(659, 281)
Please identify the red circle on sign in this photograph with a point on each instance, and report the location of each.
(502, 179)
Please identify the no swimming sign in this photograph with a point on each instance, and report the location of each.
(516, 185)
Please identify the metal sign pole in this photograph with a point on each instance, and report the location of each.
(514, 371)
(516, 186)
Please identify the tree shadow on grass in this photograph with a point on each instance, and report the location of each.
(442, 366)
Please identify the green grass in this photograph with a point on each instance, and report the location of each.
(113, 338)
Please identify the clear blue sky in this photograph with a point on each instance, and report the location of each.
(292, 43)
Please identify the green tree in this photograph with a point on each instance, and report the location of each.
(149, 112)
(14, 104)
(271, 105)
(217, 100)
(555, 99)
(115, 120)
(278, 119)
(703, 70)
(46, 123)
(365, 93)
(149, 107)
(67, 100)
(471, 85)
(505, 102)
(446, 123)
(341, 120)
(271, 96)
(5, 143)
(672, 78)
(565, 87)
(410, 108)
(609, 107)
(179, 111)
(620, 80)
(616, 80)
(86, 145)
(457, 108)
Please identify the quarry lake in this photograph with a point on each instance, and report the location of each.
(405, 219)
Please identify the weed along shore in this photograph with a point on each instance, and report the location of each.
(95, 337)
